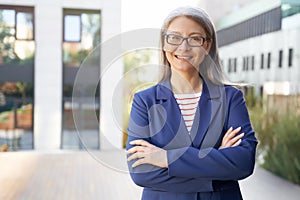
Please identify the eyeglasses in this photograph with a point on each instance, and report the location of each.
(194, 41)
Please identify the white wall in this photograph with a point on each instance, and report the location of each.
(48, 63)
(111, 74)
(48, 75)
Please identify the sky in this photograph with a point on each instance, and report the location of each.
(138, 14)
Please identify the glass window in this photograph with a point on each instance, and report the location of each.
(81, 36)
(262, 61)
(269, 61)
(247, 63)
(24, 26)
(280, 59)
(252, 62)
(72, 28)
(87, 37)
(229, 65)
(17, 35)
(290, 57)
(16, 77)
(235, 64)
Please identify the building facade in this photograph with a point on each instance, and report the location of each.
(259, 46)
(44, 44)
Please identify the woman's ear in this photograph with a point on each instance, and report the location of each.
(207, 46)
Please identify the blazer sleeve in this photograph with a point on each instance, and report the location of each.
(232, 163)
(151, 176)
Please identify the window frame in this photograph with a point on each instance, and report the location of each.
(21, 9)
(78, 12)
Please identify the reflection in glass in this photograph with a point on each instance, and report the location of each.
(7, 29)
(72, 28)
(16, 111)
(90, 30)
(80, 49)
(16, 40)
(82, 132)
(24, 26)
(16, 88)
(7, 17)
(24, 51)
(75, 53)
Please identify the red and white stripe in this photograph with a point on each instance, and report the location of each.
(188, 104)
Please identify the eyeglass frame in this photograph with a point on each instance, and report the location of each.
(205, 39)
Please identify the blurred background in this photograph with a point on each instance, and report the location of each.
(44, 44)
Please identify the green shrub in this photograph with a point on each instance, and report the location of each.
(283, 156)
(279, 142)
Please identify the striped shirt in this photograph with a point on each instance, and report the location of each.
(188, 104)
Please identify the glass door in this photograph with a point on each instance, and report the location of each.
(16, 77)
(81, 36)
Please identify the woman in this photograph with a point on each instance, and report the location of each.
(190, 136)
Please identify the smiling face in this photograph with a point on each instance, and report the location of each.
(185, 58)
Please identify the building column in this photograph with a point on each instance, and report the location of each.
(48, 76)
(111, 110)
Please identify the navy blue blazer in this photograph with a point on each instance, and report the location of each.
(197, 169)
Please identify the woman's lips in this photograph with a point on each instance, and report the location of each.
(186, 58)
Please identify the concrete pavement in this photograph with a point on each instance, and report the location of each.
(263, 185)
(101, 175)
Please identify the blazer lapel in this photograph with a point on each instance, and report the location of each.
(209, 115)
(175, 122)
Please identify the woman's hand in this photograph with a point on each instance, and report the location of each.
(147, 153)
(230, 139)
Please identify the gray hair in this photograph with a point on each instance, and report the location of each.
(210, 69)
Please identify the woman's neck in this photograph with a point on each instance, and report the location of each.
(185, 83)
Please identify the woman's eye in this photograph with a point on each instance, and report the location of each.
(175, 37)
(197, 39)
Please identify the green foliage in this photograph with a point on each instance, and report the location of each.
(78, 57)
(4, 116)
(135, 59)
(17, 89)
(251, 99)
(283, 156)
(279, 139)
(27, 60)
(132, 84)
(7, 45)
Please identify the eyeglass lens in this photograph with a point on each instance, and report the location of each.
(192, 41)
